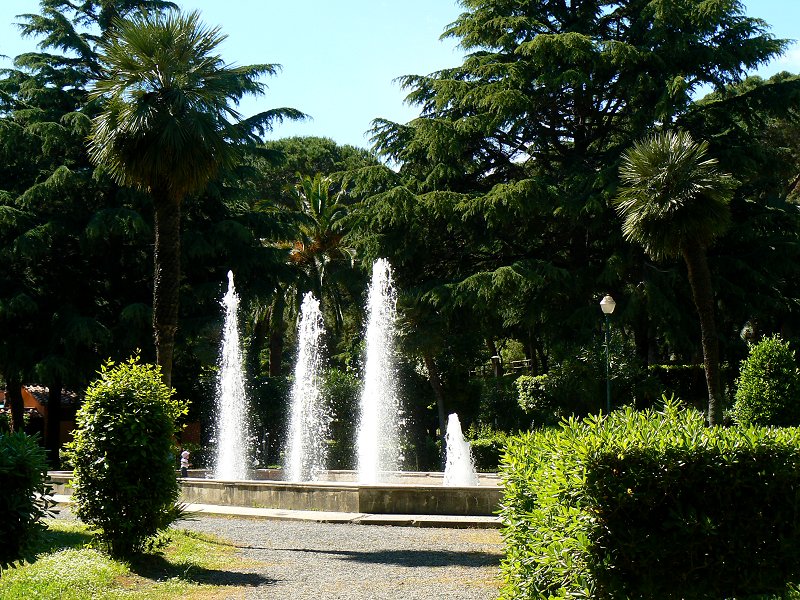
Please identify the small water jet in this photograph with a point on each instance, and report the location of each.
(309, 419)
(377, 445)
(459, 469)
(231, 461)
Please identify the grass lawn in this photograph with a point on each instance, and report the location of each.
(191, 566)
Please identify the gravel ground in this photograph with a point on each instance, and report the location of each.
(300, 560)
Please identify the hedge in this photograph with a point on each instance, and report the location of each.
(651, 505)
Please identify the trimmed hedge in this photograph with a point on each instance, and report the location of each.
(651, 505)
(23, 495)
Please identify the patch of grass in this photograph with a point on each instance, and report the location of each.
(67, 567)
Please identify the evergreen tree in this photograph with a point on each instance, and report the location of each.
(511, 167)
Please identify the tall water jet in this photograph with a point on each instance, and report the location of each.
(231, 432)
(459, 469)
(378, 439)
(309, 419)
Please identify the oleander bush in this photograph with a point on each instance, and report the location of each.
(651, 504)
(768, 388)
(23, 495)
(125, 480)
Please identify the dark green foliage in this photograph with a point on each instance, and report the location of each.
(768, 388)
(123, 455)
(341, 390)
(269, 399)
(651, 504)
(498, 405)
(23, 502)
(536, 396)
(487, 446)
(687, 382)
(577, 385)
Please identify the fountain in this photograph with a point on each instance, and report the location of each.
(459, 469)
(231, 434)
(359, 493)
(378, 436)
(377, 487)
(309, 419)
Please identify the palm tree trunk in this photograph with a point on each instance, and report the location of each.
(166, 280)
(700, 280)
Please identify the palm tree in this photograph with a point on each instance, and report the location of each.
(168, 125)
(318, 242)
(674, 201)
(319, 261)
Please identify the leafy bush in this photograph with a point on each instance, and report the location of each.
(577, 385)
(536, 396)
(487, 447)
(651, 505)
(768, 388)
(23, 501)
(125, 480)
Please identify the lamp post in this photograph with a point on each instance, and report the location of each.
(607, 305)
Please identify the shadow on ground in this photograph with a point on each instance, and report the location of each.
(408, 558)
(158, 568)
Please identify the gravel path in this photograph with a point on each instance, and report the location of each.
(301, 560)
(297, 560)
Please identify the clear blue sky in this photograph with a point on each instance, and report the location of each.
(340, 57)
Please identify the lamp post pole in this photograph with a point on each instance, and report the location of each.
(607, 305)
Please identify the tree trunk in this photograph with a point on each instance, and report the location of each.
(53, 433)
(14, 398)
(166, 281)
(700, 280)
(438, 391)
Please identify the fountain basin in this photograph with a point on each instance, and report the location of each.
(417, 494)
(384, 498)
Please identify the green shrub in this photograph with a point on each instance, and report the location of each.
(125, 480)
(536, 396)
(651, 505)
(768, 388)
(577, 385)
(23, 495)
(487, 446)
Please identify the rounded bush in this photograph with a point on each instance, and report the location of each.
(125, 480)
(23, 500)
(768, 388)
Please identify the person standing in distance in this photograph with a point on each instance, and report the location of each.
(185, 463)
